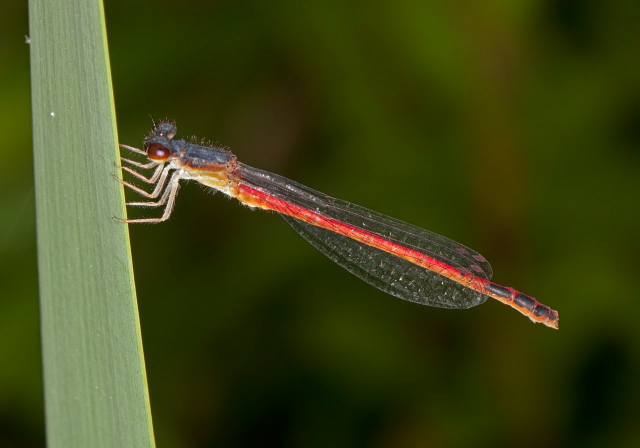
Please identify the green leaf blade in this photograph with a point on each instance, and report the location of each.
(95, 385)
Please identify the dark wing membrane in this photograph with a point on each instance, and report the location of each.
(390, 274)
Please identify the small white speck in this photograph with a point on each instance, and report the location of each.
(27, 40)
(53, 114)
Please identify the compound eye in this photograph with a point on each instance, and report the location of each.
(158, 153)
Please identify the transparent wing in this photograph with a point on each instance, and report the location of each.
(389, 273)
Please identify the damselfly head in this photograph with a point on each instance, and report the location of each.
(158, 143)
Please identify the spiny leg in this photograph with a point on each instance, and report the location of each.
(131, 148)
(156, 191)
(173, 187)
(138, 164)
(163, 198)
(151, 180)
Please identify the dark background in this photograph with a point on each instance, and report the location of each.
(512, 127)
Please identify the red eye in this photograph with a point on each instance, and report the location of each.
(158, 153)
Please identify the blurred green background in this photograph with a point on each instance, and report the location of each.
(512, 127)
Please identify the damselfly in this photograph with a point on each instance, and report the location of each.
(398, 258)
